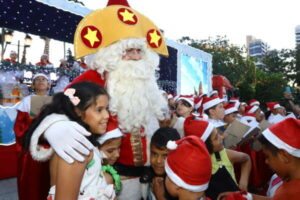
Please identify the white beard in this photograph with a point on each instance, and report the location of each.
(134, 94)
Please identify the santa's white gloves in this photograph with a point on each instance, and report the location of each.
(67, 138)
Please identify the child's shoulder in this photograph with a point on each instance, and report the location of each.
(288, 190)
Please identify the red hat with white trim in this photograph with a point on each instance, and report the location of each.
(253, 102)
(214, 92)
(248, 117)
(112, 131)
(234, 100)
(209, 102)
(188, 98)
(251, 109)
(198, 102)
(273, 105)
(285, 135)
(198, 127)
(183, 161)
(230, 108)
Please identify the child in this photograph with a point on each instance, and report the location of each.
(84, 103)
(158, 155)
(188, 167)
(184, 106)
(213, 108)
(110, 144)
(222, 159)
(281, 146)
(230, 113)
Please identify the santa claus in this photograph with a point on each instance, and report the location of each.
(121, 48)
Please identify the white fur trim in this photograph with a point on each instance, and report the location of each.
(110, 135)
(248, 196)
(172, 145)
(207, 131)
(39, 152)
(179, 182)
(198, 104)
(253, 109)
(230, 110)
(277, 106)
(281, 144)
(213, 92)
(254, 103)
(212, 103)
(189, 100)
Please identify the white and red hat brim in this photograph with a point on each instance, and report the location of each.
(253, 109)
(230, 110)
(179, 182)
(276, 141)
(115, 133)
(212, 103)
(189, 100)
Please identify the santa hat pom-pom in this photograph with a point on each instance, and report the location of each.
(172, 145)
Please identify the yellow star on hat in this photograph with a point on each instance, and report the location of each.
(155, 38)
(91, 36)
(127, 16)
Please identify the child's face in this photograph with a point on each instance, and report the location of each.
(96, 116)
(275, 162)
(112, 150)
(157, 160)
(218, 112)
(183, 110)
(230, 118)
(216, 140)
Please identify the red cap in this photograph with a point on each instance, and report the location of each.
(197, 127)
(285, 135)
(184, 159)
(230, 108)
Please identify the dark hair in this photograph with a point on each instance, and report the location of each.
(268, 145)
(162, 135)
(207, 110)
(87, 92)
(209, 145)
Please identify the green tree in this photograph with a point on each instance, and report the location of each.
(281, 61)
(231, 61)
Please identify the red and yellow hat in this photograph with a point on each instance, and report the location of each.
(117, 21)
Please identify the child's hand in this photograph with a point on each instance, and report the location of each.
(243, 186)
(158, 187)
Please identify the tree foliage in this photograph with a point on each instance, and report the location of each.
(281, 61)
(232, 62)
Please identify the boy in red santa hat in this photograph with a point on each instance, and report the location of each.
(188, 167)
(121, 47)
(281, 145)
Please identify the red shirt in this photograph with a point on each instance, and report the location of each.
(288, 191)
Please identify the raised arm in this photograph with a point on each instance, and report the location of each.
(244, 159)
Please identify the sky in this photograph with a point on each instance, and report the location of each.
(273, 21)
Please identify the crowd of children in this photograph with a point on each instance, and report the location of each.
(193, 166)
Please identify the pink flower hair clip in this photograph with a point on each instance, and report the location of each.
(70, 93)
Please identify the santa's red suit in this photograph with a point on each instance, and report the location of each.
(135, 100)
(127, 153)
